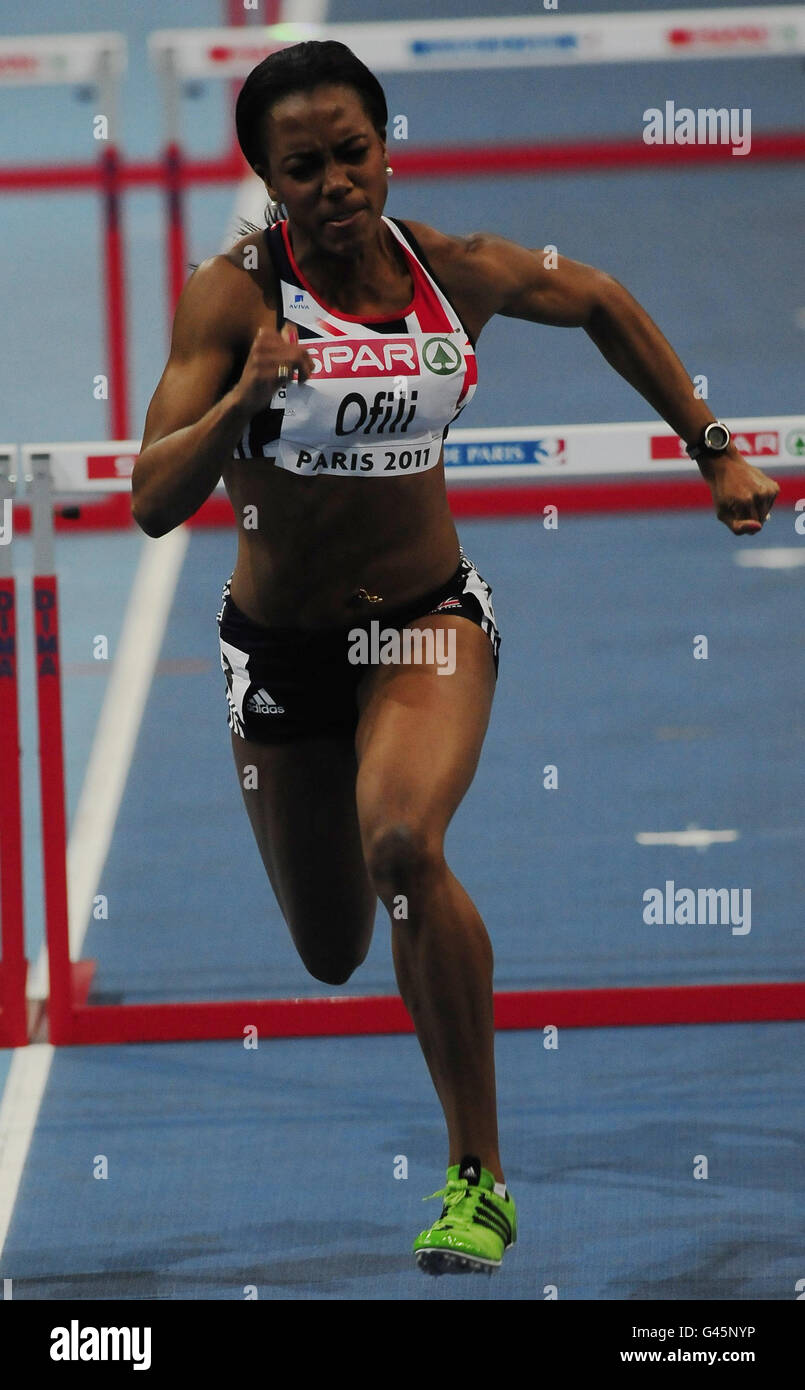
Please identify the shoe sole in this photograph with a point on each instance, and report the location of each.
(451, 1262)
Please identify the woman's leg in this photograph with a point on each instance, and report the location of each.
(418, 743)
(302, 812)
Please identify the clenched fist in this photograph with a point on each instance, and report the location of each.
(742, 495)
(261, 375)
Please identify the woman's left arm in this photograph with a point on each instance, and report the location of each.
(543, 287)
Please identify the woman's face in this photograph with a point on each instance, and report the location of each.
(326, 162)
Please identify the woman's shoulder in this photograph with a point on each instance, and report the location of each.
(440, 245)
(460, 259)
(251, 257)
(227, 293)
(465, 265)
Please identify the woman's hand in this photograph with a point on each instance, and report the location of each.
(260, 377)
(742, 496)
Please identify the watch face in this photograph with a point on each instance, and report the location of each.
(716, 436)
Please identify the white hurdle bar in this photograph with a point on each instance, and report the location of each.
(67, 59)
(508, 453)
(545, 40)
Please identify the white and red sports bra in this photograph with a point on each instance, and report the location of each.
(383, 391)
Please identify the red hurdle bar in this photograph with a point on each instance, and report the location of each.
(351, 1016)
(450, 161)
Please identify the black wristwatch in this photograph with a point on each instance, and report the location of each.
(714, 439)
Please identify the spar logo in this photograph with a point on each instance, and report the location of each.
(795, 443)
(251, 53)
(24, 65)
(110, 465)
(752, 444)
(11, 64)
(749, 36)
(441, 356)
(355, 357)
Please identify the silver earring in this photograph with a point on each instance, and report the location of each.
(275, 212)
(389, 170)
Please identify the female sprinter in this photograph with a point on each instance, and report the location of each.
(317, 366)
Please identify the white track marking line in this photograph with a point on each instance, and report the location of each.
(776, 557)
(697, 839)
(25, 1086)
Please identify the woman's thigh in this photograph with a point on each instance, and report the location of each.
(418, 742)
(300, 798)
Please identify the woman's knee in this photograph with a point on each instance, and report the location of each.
(331, 970)
(401, 856)
(333, 965)
(330, 948)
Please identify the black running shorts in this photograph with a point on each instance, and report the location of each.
(285, 683)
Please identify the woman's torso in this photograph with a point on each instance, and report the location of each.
(339, 485)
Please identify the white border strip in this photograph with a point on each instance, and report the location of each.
(545, 40)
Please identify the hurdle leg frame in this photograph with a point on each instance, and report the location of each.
(111, 188)
(68, 983)
(13, 965)
(176, 260)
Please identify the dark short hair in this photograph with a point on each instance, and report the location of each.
(300, 68)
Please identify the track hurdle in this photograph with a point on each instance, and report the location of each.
(641, 462)
(97, 60)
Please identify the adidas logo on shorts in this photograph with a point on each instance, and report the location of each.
(261, 703)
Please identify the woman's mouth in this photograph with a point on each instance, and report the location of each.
(344, 219)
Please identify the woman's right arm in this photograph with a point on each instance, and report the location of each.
(193, 423)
